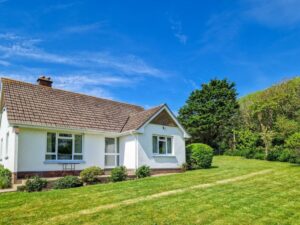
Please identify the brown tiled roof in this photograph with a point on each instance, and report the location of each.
(136, 120)
(30, 104)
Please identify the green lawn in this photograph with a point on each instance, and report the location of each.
(269, 197)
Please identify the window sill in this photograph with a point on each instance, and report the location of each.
(64, 161)
(168, 156)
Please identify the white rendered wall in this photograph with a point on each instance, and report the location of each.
(7, 160)
(128, 151)
(32, 149)
(145, 155)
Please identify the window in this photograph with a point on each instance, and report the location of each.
(6, 145)
(61, 146)
(112, 155)
(162, 145)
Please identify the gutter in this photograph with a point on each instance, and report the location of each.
(110, 133)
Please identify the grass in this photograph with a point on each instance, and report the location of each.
(266, 198)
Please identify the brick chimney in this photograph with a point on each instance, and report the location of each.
(45, 81)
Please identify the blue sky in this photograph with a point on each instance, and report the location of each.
(150, 52)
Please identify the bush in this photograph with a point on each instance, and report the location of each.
(293, 143)
(247, 140)
(35, 184)
(89, 175)
(21, 188)
(67, 182)
(201, 156)
(143, 171)
(259, 155)
(119, 174)
(184, 167)
(285, 156)
(5, 178)
(274, 153)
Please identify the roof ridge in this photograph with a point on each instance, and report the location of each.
(75, 93)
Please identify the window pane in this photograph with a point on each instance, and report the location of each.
(118, 160)
(118, 144)
(65, 148)
(162, 147)
(169, 140)
(51, 142)
(65, 135)
(78, 143)
(154, 144)
(77, 157)
(110, 160)
(50, 157)
(110, 145)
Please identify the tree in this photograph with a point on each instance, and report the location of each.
(211, 113)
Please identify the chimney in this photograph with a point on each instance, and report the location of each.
(45, 81)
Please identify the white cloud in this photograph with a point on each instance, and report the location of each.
(176, 27)
(274, 12)
(126, 64)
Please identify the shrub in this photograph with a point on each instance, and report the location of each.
(21, 188)
(293, 143)
(184, 167)
(143, 171)
(119, 174)
(285, 156)
(247, 140)
(67, 182)
(259, 155)
(201, 155)
(89, 175)
(5, 178)
(274, 153)
(35, 184)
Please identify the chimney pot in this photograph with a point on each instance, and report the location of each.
(44, 81)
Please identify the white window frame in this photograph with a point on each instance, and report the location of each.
(73, 146)
(166, 141)
(116, 153)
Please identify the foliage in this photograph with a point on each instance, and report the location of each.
(286, 156)
(201, 156)
(270, 119)
(118, 174)
(211, 113)
(89, 175)
(274, 153)
(143, 171)
(5, 178)
(35, 184)
(184, 167)
(293, 143)
(67, 182)
(21, 188)
(246, 140)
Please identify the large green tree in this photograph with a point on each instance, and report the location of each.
(211, 114)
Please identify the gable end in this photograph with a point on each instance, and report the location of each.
(164, 118)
